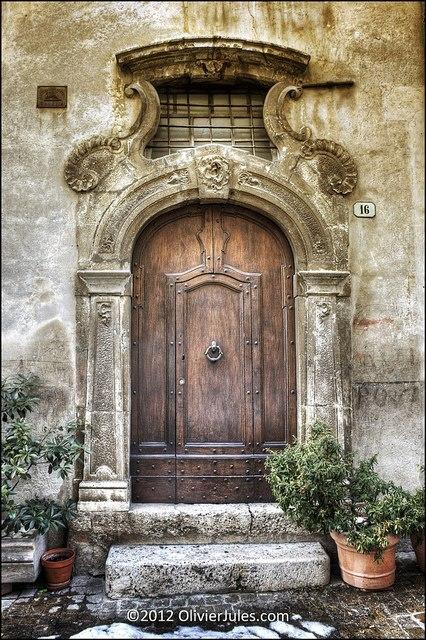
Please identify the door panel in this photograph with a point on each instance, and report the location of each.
(200, 428)
(255, 247)
(164, 248)
(214, 391)
(214, 408)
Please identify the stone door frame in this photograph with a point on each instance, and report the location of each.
(120, 191)
(104, 306)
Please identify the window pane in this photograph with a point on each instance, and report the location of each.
(179, 129)
(242, 134)
(220, 98)
(239, 99)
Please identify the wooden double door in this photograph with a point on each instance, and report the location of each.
(213, 355)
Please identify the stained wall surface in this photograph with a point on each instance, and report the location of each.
(380, 121)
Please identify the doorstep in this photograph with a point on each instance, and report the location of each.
(166, 570)
(93, 533)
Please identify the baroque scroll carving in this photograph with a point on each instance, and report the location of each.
(148, 118)
(274, 118)
(336, 168)
(245, 177)
(323, 310)
(107, 245)
(104, 312)
(90, 161)
(93, 159)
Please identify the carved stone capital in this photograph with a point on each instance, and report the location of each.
(322, 283)
(104, 283)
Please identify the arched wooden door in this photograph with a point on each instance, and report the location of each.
(213, 355)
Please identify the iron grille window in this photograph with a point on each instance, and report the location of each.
(193, 116)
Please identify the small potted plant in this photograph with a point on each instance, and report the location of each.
(58, 449)
(322, 490)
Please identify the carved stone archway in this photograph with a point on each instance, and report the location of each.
(121, 191)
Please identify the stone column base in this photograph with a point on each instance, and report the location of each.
(106, 495)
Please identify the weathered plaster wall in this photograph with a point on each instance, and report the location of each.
(380, 121)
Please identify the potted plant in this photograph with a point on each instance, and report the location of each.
(22, 451)
(322, 490)
(417, 526)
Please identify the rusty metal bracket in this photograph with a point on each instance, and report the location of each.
(328, 84)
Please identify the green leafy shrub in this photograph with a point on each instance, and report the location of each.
(417, 514)
(308, 480)
(57, 448)
(17, 396)
(321, 489)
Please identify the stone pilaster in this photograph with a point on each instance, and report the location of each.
(322, 311)
(105, 476)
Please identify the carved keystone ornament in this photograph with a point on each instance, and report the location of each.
(214, 172)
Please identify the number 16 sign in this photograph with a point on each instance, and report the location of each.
(364, 209)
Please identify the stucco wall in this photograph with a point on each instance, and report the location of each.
(380, 122)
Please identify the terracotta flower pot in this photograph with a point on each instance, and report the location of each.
(58, 564)
(361, 570)
(418, 543)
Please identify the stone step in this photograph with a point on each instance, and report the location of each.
(92, 534)
(165, 570)
(191, 524)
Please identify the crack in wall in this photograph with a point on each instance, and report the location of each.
(253, 21)
(251, 520)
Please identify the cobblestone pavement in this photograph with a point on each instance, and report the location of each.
(33, 612)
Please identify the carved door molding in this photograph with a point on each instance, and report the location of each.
(120, 192)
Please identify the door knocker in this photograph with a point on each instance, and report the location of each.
(213, 352)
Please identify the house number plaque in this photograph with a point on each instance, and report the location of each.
(51, 97)
(364, 209)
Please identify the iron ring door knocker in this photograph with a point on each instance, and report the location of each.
(213, 352)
